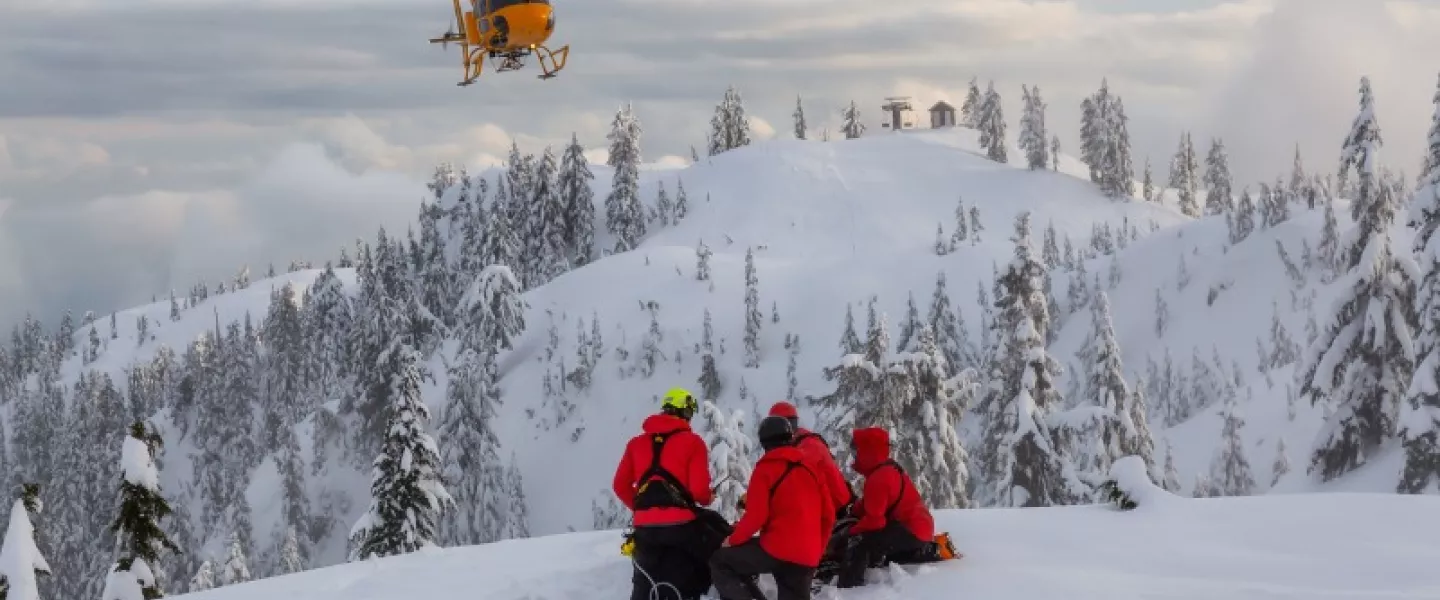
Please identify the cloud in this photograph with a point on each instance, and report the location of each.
(116, 251)
(258, 140)
(1301, 83)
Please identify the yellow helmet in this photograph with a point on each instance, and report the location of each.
(680, 402)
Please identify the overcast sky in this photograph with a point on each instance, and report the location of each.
(146, 143)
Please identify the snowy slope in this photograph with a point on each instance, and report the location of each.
(830, 224)
(1271, 548)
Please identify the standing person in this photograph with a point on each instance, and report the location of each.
(894, 525)
(788, 505)
(819, 459)
(664, 477)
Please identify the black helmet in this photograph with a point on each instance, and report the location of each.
(776, 432)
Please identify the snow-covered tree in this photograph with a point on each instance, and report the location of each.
(1366, 355)
(753, 316)
(1230, 472)
(406, 492)
(1218, 182)
(290, 559)
(991, 124)
(204, 578)
(729, 128)
(730, 456)
(970, 109)
(799, 120)
(851, 125)
(1024, 462)
(470, 459)
(21, 563)
(1147, 188)
(137, 525)
(573, 187)
(1171, 480)
(235, 569)
(1242, 221)
(1281, 466)
(1034, 140)
(1184, 177)
(702, 261)
(624, 213)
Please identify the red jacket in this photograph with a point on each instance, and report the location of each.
(795, 524)
(684, 456)
(885, 486)
(818, 456)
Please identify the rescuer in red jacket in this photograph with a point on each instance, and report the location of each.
(788, 505)
(894, 525)
(818, 456)
(664, 477)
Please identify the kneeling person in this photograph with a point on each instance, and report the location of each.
(894, 525)
(790, 507)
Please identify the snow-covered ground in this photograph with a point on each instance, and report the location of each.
(830, 225)
(1360, 546)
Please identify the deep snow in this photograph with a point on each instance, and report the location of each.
(1262, 548)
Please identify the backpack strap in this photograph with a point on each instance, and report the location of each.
(791, 465)
(890, 512)
(679, 495)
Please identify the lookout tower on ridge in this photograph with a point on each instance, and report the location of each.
(902, 115)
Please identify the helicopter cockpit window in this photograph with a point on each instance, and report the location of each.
(499, 4)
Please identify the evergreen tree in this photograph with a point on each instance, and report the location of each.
(235, 569)
(290, 559)
(573, 187)
(21, 563)
(753, 317)
(962, 231)
(470, 458)
(1025, 463)
(682, 204)
(1033, 138)
(729, 128)
(1282, 463)
(1147, 188)
(970, 110)
(1366, 354)
(851, 125)
(702, 261)
(1424, 210)
(1218, 182)
(1242, 221)
(992, 126)
(849, 340)
(799, 120)
(1171, 480)
(730, 456)
(1183, 177)
(1230, 473)
(137, 526)
(1118, 179)
(204, 578)
(406, 492)
(1419, 418)
(624, 214)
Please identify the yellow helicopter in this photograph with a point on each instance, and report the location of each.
(505, 31)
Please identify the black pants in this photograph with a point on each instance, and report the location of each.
(735, 570)
(675, 554)
(893, 544)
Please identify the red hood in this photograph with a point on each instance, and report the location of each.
(784, 453)
(783, 409)
(663, 423)
(872, 447)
